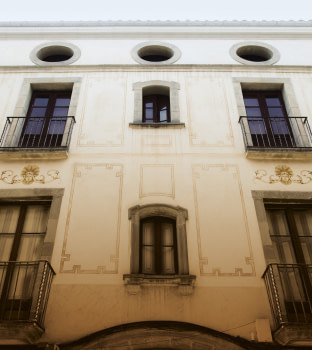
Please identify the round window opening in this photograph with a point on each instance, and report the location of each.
(254, 53)
(55, 54)
(155, 53)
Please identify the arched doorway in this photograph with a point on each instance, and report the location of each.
(157, 335)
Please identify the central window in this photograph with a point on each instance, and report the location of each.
(156, 109)
(158, 246)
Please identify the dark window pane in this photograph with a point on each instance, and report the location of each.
(60, 112)
(279, 126)
(38, 112)
(57, 126)
(253, 112)
(34, 126)
(273, 101)
(276, 112)
(62, 102)
(251, 102)
(41, 101)
(256, 126)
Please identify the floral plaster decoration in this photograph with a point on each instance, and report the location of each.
(29, 175)
(284, 175)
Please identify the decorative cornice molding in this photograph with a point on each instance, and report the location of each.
(157, 23)
(157, 30)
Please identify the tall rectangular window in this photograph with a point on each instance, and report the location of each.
(22, 231)
(290, 229)
(267, 119)
(158, 246)
(46, 119)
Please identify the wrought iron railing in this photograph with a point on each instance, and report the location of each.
(289, 291)
(24, 290)
(276, 132)
(48, 133)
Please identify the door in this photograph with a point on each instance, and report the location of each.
(22, 232)
(291, 235)
(267, 119)
(46, 119)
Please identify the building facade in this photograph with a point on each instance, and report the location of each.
(155, 185)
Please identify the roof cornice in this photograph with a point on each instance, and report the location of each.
(156, 30)
(166, 23)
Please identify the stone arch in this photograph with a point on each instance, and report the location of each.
(157, 335)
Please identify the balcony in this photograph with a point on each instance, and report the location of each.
(277, 137)
(24, 293)
(36, 137)
(289, 291)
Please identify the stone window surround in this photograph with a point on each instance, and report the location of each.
(30, 84)
(134, 281)
(174, 103)
(34, 54)
(56, 195)
(275, 54)
(24, 97)
(289, 333)
(259, 198)
(266, 84)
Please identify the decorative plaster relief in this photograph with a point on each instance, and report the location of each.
(103, 115)
(29, 175)
(223, 235)
(157, 180)
(91, 245)
(208, 118)
(285, 175)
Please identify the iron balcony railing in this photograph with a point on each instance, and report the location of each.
(289, 291)
(276, 132)
(24, 290)
(37, 132)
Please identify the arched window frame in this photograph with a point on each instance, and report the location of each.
(135, 280)
(173, 97)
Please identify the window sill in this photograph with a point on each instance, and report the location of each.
(172, 125)
(34, 153)
(294, 334)
(20, 331)
(135, 282)
(279, 153)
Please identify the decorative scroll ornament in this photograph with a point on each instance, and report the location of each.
(29, 175)
(285, 175)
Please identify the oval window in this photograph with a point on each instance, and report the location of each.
(255, 53)
(155, 53)
(55, 54)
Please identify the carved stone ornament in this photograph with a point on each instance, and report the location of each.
(29, 175)
(284, 175)
(135, 282)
